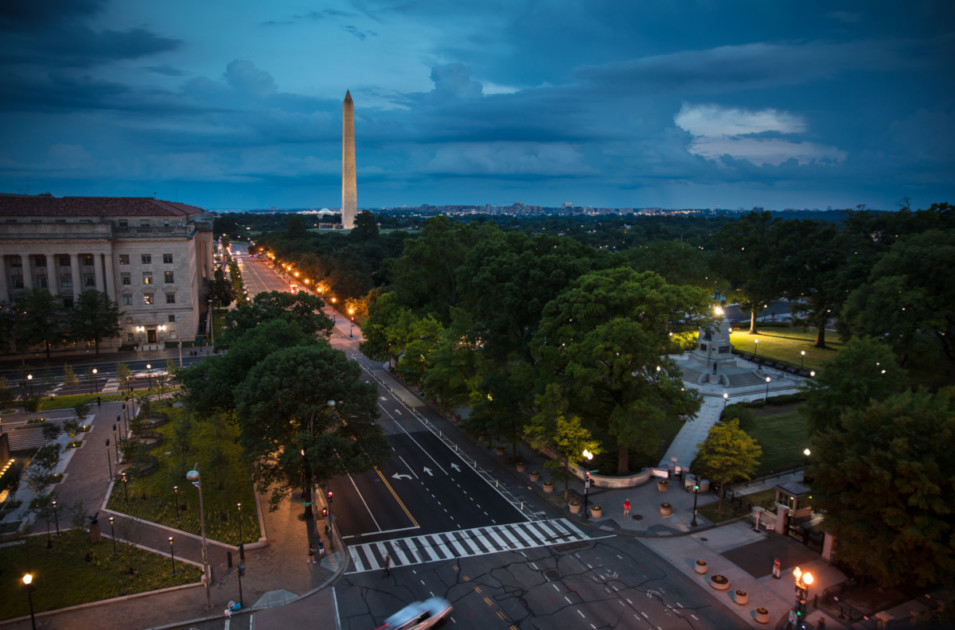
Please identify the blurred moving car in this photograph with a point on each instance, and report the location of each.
(419, 615)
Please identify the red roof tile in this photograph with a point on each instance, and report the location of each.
(48, 206)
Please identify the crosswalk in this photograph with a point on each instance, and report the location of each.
(462, 543)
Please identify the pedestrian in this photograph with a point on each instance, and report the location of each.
(311, 554)
(626, 507)
(388, 564)
(321, 548)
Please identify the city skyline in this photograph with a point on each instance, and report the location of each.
(687, 104)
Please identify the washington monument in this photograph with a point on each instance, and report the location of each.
(349, 187)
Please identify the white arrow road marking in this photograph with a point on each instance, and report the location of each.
(400, 476)
(428, 470)
(455, 466)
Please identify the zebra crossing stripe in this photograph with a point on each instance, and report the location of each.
(462, 544)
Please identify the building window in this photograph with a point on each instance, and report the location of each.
(124, 259)
(86, 259)
(168, 277)
(147, 298)
(125, 278)
(147, 277)
(144, 223)
(15, 261)
(123, 223)
(39, 261)
(41, 281)
(167, 259)
(17, 280)
(147, 259)
(65, 261)
(129, 338)
(170, 298)
(89, 280)
(127, 299)
(66, 280)
(171, 319)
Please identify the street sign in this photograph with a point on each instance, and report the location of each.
(306, 503)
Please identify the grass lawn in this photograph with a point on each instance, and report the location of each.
(786, 344)
(225, 481)
(783, 437)
(70, 401)
(65, 576)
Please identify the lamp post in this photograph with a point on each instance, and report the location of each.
(196, 479)
(696, 493)
(125, 488)
(172, 555)
(803, 580)
(812, 374)
(726, 397)
(802, 359)
(175, 491)
(588, 456)
(805, 472)
(94, 372)
(109, 460)
(56, 519)
(766, 399)
(149, 375)
(755, 347)
(28, 585)
(112, 529)
(238, 506)
(30, 380)
(115, 444)
(351, 322)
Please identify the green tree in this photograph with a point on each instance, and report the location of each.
(727, 455)
(69, 376)
(677, 262)
(746, 252)
(885, 478)
(41, 320)
(865, 370)
(909, 297)
(503, 403)
(302, 309)
(366, 227)
(565, 434)
(221, 290)
(283, 409)
(94, 317)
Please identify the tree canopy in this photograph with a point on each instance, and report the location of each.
(94, 317)
(727, 455)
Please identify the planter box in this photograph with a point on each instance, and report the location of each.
(741, 597)
(720, 582)
(548, 487)
(702, 567)
(663, 485)
(596, 512)
(574, 508)
(762, 615)
(666, 509)
(535, 476)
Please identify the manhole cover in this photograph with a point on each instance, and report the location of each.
(638, 517)
(553, 574)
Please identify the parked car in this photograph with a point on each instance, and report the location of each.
(419, 615)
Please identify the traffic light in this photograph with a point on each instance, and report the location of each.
(324, 512)
(696, 487)
(329, 496)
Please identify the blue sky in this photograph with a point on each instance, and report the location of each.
(231, 104)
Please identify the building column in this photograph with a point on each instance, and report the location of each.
(27, 266)
(4, 290)
(75, 272)
(99, 281)
(110, 272)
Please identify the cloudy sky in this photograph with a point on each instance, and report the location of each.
(231, 104)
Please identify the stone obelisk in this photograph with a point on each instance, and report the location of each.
(349, 187)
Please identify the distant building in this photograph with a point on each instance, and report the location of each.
(152, 257)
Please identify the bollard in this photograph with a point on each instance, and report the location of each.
(497, 484)
(522, 506)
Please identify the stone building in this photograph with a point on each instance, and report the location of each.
(153, 258)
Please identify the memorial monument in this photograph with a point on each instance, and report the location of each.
(349, 186)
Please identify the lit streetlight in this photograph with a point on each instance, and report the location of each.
(30, 380)
(195, 478)
(755, 347)
(766, 399)
(696, 493)
(94, 372)
(125, 488)
(28, 585)
(56, 519)
(803, 580)
(802, 359)
(172, 555)
(109, 460)
(726, 397)
(112, 528)
(175, 491)
(351, 322)
(149, 375)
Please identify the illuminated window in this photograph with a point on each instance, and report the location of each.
(147, 277)
(124, 259)
(147, 298)
(168, 277)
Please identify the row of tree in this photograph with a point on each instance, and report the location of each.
(38, 319)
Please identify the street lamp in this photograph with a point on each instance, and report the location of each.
(94, 371)
(802, 581)
(115, 444)
(195, 478)
(238, 506)
(56, 519)
(175, 490)
(696, 493)
(109, 460)
(726, 397)
(766, 399)
(351, 322)
(755, 347)
(125, 488)
(112, 528)
(802, 359)
(149, 376)
(812, 374)
(805, 472)
(30, 379)
(588, 456)
(28, 585)
(172, 555)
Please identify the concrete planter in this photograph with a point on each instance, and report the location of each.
(521, 466)
(666, 509)
(720, 582)
(741, 597)
(596, 511)
(762, 615)
(702, 567)
(574, 507)
(663, 485)
(535, 476)
(548, 487)
(500, 451)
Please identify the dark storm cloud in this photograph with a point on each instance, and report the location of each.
(15, 14)
(80, 47)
